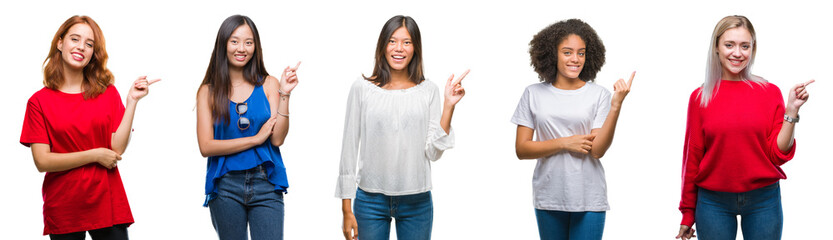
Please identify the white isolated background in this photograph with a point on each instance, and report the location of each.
(481, 190)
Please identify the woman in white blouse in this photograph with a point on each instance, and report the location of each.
(394, 119)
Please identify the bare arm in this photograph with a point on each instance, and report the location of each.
(525, 148)
(604, 135)
(205, 131)
(121, 137)
(349, 227)
(277, 104)
(796, 98)
(47, 161)
(278, 93)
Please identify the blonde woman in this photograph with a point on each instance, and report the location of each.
(739, 132)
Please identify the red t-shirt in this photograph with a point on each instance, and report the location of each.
(90, 196)
(732, 144)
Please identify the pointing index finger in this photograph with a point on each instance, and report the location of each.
(297, 65)
(154, 81)
(808, 82)
(631, 80)
(462, 76)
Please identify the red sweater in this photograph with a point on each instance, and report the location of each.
(732, 144)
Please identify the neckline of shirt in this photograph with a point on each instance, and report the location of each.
(568, 92)
(394, 91)
(247, 99)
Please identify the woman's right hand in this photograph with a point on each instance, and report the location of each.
(350, 228)
(686, 233)
(105, 157)
(578, 143)
(620, 90)
(265, 130)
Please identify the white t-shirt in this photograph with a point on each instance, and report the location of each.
(566, 181)
(390, 139)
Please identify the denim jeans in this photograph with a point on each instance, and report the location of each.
(560, 225)
(759, 210)
(414, 215)
(116, 232)
(247, 198)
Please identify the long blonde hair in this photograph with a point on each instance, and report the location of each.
(714, 69)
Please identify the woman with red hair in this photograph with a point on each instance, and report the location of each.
(78, 128)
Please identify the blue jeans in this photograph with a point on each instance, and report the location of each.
(559, 225)
(759, 210)
(247, 198)
(414, 215)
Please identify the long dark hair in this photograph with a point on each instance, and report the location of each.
(381, 71)
(217, 75)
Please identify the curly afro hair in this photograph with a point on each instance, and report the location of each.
(543, 50)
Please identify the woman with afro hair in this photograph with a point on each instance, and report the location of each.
(573, 121)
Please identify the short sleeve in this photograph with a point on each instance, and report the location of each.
(34, 124)
(602, 108)
(117, 108)
(523, 114)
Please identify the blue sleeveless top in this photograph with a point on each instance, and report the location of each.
(264, 154)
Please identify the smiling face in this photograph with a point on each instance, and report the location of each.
(241, 46)
(400, 50)
(571, 53)
(77, 46)
(734, 49)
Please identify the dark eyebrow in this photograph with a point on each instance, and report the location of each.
(391, 37)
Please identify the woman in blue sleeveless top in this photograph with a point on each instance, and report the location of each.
(239, 108)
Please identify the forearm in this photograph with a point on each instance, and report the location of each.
(787, 133)
(214, 147)
(538, 149)
(281, 127)
(55, 162)
(445, 120)
(605, 135)
(346, 206)
(786, 136)
(121, 137)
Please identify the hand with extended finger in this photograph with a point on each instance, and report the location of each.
(265, 130)
(797, 96)
(289, 79)
(140, 88)
(686, 233)
(454, 90)
(105, 157)
(620, 90)
(578, 143)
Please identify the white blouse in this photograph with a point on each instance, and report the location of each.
(389, 136)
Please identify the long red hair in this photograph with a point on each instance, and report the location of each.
(96, 75)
